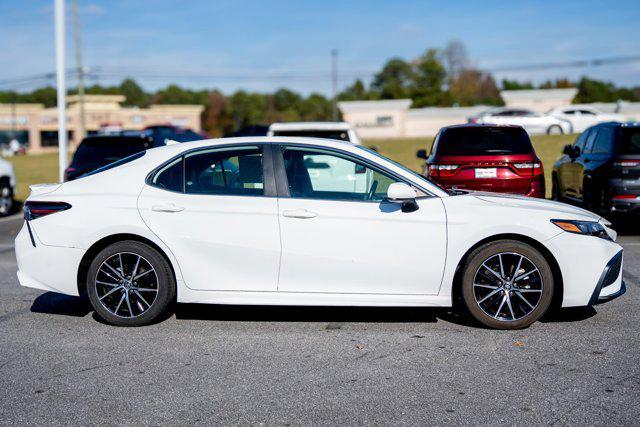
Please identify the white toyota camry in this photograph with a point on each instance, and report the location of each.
(295, 221)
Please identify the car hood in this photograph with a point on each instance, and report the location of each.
(561, 210)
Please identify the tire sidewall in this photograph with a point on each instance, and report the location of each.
(484, 252)
(5, 185)
(166, 284)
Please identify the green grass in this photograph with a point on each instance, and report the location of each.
(41, 168)
(548, 148)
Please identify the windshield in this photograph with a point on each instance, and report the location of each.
(341, 135)
(630, 141)
(483, 141)
(404, 168)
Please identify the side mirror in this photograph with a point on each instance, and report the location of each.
(399, 192)
(571, 151)
(422, 154)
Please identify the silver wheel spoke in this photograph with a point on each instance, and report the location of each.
(109, 293)
(492, 272)
(144, 289)
(523, 275)
(135, 269)
(515, 272)
(121, 266)
(529, 290)
(114, 271)
(107, 283)
(120, 303)
(480, 285)
(141, 297)
(126, 294)
(524, 299)
(142, 274)
(513, 316)
(488, 296)
(501, 266)
(504, 298)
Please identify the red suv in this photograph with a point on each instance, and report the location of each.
(485, 158)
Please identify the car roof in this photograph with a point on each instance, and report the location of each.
(109, 137)
(479, 125)
(310, 126)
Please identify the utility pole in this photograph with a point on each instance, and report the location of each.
(334, 81)
(80, 68)
(61, 87)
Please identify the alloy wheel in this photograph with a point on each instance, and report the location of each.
(6, 200)
(508, 286)
(126, 284)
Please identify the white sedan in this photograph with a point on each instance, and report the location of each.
(582, 117)
(301, 221)
(532, 122)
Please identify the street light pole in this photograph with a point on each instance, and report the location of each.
(80, 68)
(61, 87)
(334, 83)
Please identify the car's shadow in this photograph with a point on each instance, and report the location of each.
(63, 305)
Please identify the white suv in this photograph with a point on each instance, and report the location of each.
(7, 187)
(341, 131)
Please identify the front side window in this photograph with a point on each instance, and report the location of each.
(604, 141)
(590, 140)
(319, 174)
(235, 172)
(582, 139)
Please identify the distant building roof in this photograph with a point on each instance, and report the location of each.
(383, 104)
(512, 97)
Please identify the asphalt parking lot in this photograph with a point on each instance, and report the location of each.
(213, 364)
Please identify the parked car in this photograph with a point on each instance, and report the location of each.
(601, 170)
(532, 122)
(174, 224)
(485, 158)
(582, 117)
(97, 151)
(7, 187)
(162, 133)
(332, 130)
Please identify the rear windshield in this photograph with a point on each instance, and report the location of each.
(342, 135)
(630, 141)
(483, 141)
(102, 151)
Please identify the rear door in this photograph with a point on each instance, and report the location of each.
(340, 235)
(217, 212)
(582, 164)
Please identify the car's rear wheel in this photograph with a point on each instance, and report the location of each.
(6, 198)
(130, 284)
(554, 130)
(507, 284)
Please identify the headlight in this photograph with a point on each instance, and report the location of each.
(589, 228)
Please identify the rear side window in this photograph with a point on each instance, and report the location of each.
(171, 176)
(341, 135)
(630, 141)
(604, 141)
(483, 141)
(235, 171)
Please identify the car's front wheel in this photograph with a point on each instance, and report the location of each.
(554, 130)
(507, 284)
(130, 284)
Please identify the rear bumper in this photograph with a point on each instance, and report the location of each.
(619, 187)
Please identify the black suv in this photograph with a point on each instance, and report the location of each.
(601, 170)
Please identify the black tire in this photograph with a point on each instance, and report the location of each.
(137, 311)
(521, 315)
(6, 198)
(554, 130)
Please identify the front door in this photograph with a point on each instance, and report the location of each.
(340, 235)
(217, 212)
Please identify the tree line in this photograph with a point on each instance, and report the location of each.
(438, 77)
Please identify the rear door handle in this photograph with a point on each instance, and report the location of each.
(169, 207)
(299, 213)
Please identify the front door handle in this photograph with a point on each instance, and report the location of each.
(169, 207)
(299, 213)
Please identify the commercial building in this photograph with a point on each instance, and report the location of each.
(395, 118)
(35, 125)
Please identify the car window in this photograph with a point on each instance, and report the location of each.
(590, 140)
(479, 141)
(570, 112)
(236, 171)
(603, 142)
(587, 113)
(171, 176)
(96, 151)
(582, 139)
(320, 174)
(341, 135)
(630, 141)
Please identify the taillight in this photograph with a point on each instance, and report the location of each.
(534, 167)
(442, 170)
(625, 197)
(35, 210)
(627, 163)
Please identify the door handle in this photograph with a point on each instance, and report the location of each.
(169, 207)
(299, 213)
